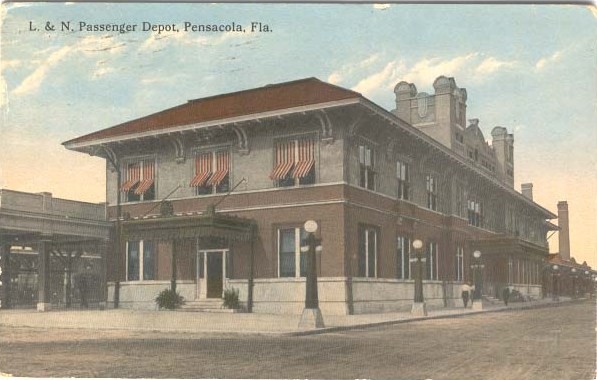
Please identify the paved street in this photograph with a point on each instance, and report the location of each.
(544, 343)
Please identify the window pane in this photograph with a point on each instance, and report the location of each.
(148, 260)
(287, 253)
(224, 186)
(309, 179)
(133, 261)
(371, 252)
(399, 257)
(362, 252)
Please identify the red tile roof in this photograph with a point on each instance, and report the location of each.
(303, 92)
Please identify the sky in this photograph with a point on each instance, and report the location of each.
(528, 68)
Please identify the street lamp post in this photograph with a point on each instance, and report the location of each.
(419, 307)
(585, 282)
(554, 282)
(311, 317)
(477, 268)
(574, 276)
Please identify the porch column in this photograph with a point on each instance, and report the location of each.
(173, 276)
(250, 290)
(43, 276)
(104, 273)
(5, 264)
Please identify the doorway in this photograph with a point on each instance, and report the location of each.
(211, 273)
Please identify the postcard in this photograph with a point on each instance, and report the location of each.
(299, 190)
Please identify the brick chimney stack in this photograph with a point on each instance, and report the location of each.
(527, 190)
(564, 235)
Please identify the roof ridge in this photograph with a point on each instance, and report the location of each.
(273, 85)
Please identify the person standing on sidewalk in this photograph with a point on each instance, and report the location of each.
(506, 294)
(465, 290)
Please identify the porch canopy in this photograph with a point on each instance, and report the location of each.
(190, 226)
(209, 224)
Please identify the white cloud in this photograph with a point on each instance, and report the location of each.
(491, 64)
(381, 6)
(540, 65)
(89, 46)
(348, 69)
(157, 41)
(34, 80)
(424, 72)
(383, 79)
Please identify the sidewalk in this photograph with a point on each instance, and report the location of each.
(229, 323)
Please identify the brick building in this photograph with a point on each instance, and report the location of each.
(374, 180)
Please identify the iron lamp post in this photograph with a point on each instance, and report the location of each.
(419, 307)
(311, 316)
(574, 277)
(477, 268)
(554, 281)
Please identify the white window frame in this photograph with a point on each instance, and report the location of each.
(141, 260)
(367, 163)
(431, 191)
(297, 250)
(459, 263)
(403, 175)
(365, 230)
(432, 248)
(404, 243)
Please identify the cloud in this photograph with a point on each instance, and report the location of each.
(375, 74)
(383, 79)
(425, 71)
(381, 6)
(157, 41)
(347, 70)
(90, 46)
(34, 80)
(540, 65)
(491, 64)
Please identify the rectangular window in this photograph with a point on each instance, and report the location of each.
(402, 172)
(368, 246)
(459, 270)
(366, 167)
(140, 260)
(475, 213)
(139, 181)
(403, 258)
(212, 172)
(294, 163)
(431, 258)
(290, 257)
(431, 187)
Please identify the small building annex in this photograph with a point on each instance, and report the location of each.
(213, 193)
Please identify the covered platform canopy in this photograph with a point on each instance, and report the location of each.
(55, 232)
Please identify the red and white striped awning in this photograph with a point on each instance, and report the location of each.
(133, 176)
(148, 177)
(284, 160)
(202, 169)
(306, 158)
(222, 168)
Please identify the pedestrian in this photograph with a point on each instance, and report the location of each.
(506, 294)
(465, 292)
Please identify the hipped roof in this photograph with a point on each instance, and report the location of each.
(268, 98)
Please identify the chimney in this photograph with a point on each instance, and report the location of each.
(527, 190)
(564, 235)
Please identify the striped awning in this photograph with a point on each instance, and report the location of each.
(306, 158)
(202, 169)
(133, 176)
(148, 177)
(284, 160)
(222, 168)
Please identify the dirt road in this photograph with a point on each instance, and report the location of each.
(548, 343)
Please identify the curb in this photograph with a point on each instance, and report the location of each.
(325, 330)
